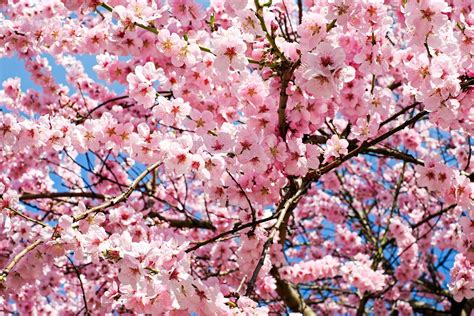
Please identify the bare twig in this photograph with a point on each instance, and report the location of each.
(228, 232)
(121, 197)
(78, 273)
(300, 11)
(16, 212)
(254, 213)
(434, 215)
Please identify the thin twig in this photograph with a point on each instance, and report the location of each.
(365, 145)
(401, 112)
(121, 197)
(254, 213)
(52, 195)
(27, 217)
(89, 114)
(78, 273)
(228, 232)
(439, 213)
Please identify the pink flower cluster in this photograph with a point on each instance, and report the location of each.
(248, 158)
(359, 274)
(140, 83)
(307, 271)
(462, 284)
(408, 250)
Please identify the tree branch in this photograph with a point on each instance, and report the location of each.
(434, 215)
(52, 195)
(38, 222)
(287, 204)
(314, 175)
(290, 295)
(228, 232)
(78, 273)
(119, 198)
(184, 223)
(401, 112)
(4, 273)
(254, 213)
(285, 80)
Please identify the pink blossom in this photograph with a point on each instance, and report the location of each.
(336, 147)
(312, 30)
(186, 10)
(360, 275)
(229, 49)
(140, 84)
(244, 158)
(462, 283)
(426, 16)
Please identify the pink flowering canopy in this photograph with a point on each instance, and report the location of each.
(260, 157)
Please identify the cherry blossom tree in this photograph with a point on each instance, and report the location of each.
(260, 157)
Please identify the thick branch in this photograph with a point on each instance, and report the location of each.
(466, 83)
(282, 124)
(395, 154)
(361, 308)
(290, 295)
(426, 309)
(300, 11)
(285, 290)
(394, 85)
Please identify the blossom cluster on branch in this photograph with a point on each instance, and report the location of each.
(264, 157)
